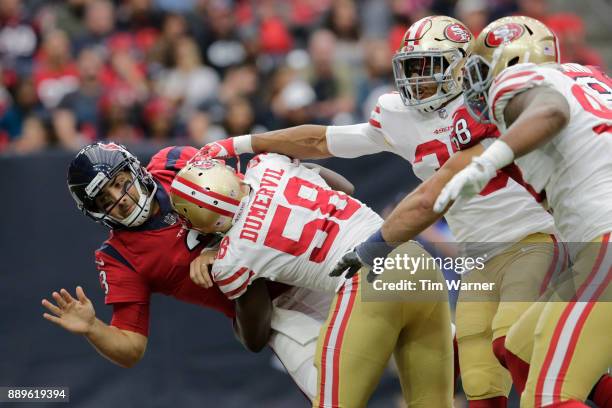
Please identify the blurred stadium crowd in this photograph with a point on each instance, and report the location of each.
(193, 71)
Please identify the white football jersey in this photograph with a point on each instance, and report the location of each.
(293, 229)
(504, 212)
(574, 168)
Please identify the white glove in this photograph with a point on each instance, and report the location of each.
(467, 183)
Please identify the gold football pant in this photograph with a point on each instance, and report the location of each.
(360, 336)
(519, 274)
(572, 342)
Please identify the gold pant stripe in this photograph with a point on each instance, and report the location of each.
(330, 359)
(568, 330)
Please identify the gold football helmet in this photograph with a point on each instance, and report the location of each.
(504, 42)
(207, 193)
(427, 66)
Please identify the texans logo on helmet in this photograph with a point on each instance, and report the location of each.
(110, 146)
(457, 33)
(504, 34)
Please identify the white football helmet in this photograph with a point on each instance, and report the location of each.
(208, 194)
(432, 54)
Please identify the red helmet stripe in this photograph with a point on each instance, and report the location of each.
(420, 29)
(200, 203)
(209, 193)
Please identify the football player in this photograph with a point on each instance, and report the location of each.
(503, 222)
(554, 121)
(284, 223)
(150, 251)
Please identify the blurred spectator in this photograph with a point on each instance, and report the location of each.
(376, 18)
(343, 21)
(25, 103)
(292, 105)
(162, 70)
(173, 29)
(34, 137)
(240, 81)
(189, 83)
(175, 6)
(99, 23)
(77, 117)
(537, 9)
(410, 11)
(201, 131)
(239, 118)
(125, 91)
(159, 120)
(66, 16)
(21, 131)
(330, 79)
(55, 73)
(18, 40)
(136, 15)
(221, 44)
(124, 78)
(379, 78)
(569, 29)
(473, 13)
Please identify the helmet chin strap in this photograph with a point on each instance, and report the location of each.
(143, 208)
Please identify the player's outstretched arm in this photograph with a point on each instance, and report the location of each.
(409, 218)
(253, 316)
(300, 142)
(78, 316)
(336, 181)
(415, 212)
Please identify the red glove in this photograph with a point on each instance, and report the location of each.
(219, 150)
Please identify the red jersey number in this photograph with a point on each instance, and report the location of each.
(330, 203)
(594, 101)
(440, 149)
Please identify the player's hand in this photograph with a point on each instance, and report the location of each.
(349, 263)
(75, 315)
(199, 268)
(467, 183)
(221, 149)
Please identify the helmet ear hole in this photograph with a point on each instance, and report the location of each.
(513, 61)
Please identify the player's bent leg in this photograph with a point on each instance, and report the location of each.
(482, 376)
(528, 267)
(519, 345)
(297, 318)
(424, 356)
(572, 347)
(354, 347)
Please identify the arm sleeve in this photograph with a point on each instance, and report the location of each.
(131, 316)
(171, 158)
(118, 280)
(233, 282)
(355, 140)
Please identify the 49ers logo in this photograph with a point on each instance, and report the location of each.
(203, 163)
(457, 33)
(504, 34)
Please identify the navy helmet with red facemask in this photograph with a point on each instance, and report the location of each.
(97, 164)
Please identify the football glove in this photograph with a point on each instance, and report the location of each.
(467, 183)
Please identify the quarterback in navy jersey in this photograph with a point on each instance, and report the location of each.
(148, 251)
